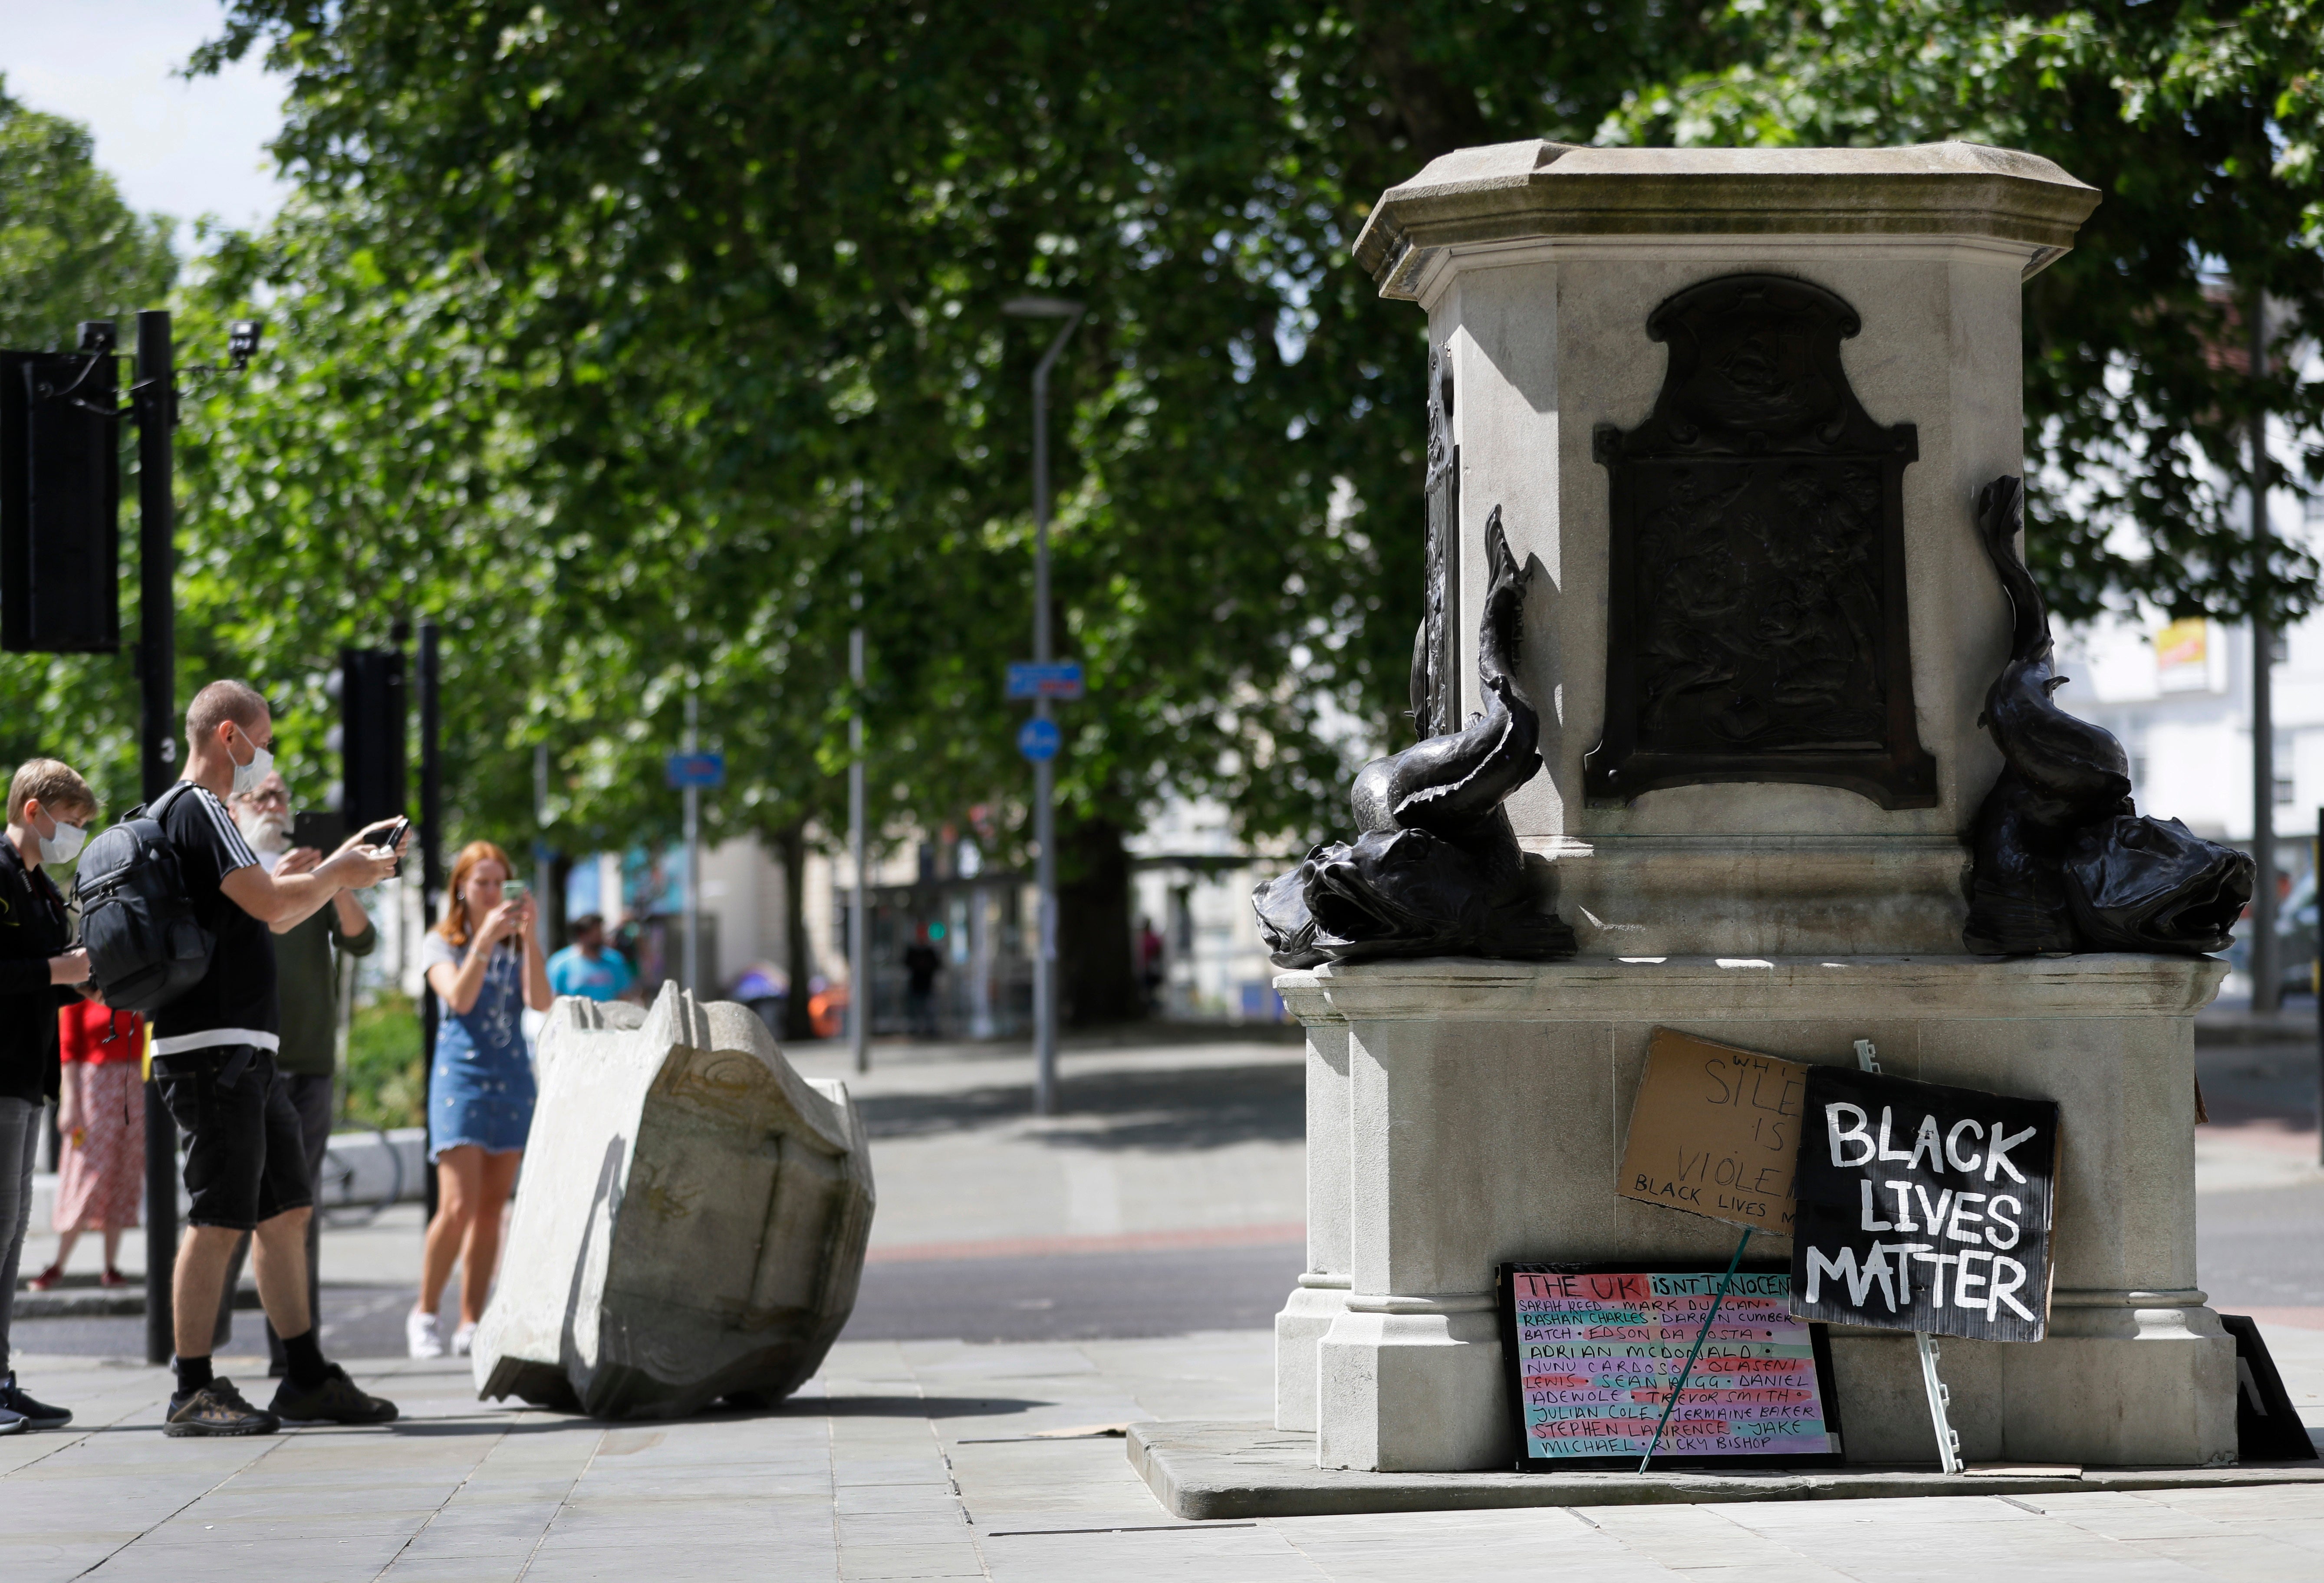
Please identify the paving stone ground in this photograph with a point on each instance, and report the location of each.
(925, 1459)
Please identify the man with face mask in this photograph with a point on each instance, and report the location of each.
(306, 981)
(48, 811)
(214, 1050)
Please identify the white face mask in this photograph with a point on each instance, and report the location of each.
(248, 778)
(65, 845)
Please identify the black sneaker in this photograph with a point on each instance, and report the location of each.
(337, 1400)
(36, 1415)
(10, 1423)
(216, 1409)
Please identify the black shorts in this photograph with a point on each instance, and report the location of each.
(245, 1157)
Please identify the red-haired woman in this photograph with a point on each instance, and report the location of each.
(485, 962)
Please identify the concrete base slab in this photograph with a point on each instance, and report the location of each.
(1208, 1470)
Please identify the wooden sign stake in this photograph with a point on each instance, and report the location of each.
(1948, 1456)
(1710, 1319)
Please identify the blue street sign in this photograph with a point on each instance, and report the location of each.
(1060, 680)
(704, 769)
(1039, 740)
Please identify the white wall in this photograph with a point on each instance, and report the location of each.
(2191, 746)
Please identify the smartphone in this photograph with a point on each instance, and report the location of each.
(395, 833)
(512, 891)
(320, 828)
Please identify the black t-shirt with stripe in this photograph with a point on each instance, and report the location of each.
(234, 1003)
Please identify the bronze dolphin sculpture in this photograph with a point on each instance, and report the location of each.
(1436, 869)
(2060, 860)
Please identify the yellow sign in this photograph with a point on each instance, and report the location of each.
(2182, 656)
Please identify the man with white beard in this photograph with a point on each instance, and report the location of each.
(307, 983)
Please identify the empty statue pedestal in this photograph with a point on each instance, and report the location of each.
(1463, 1113)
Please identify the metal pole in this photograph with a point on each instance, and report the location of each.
(431, 862)
(1045, 786)
(2267, 976)
(691, 970)
(859, 921)
(154, 405)
(1940, 1397)
(540, 858)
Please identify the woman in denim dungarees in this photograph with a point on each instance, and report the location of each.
(484, 962)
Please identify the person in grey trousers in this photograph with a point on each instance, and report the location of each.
(50, 809)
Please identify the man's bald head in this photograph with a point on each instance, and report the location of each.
(227, 701)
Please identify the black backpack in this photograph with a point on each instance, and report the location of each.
(145, 946)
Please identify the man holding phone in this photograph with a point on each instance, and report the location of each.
(307, 985)
(214, 1050)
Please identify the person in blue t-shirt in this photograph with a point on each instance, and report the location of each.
(589, 967)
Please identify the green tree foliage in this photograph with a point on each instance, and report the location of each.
(598, 329)
(2201, 123)
(70, 250)
(743, 258)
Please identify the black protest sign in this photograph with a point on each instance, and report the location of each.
(1923, 1206)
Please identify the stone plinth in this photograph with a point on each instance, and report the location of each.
(1733, 409)
(1539, 266)
(690, 1223)
(1473, 1113)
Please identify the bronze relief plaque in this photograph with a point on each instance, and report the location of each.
(1757, 628)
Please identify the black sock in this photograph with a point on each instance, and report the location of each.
(193, 1374)
(302, 1360)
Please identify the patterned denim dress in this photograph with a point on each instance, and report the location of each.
(481, 1089)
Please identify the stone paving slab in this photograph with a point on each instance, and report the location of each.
(1207, 1471)
(923, 1459)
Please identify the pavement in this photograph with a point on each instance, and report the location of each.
(1167, 1194)
(1036, 1286)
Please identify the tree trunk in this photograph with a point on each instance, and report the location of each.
(1097, 979)
(790, 847)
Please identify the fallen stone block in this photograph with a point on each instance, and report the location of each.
(691, 1220)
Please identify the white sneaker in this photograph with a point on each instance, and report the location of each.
(462, 1339)
(421, 1336)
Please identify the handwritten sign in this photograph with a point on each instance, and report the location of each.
(1924, 1207)
(1715, 1131)
(1594, 1351)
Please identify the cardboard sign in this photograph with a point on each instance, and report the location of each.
(1593, 1350)
(1715, 1131)
(1924, 1207)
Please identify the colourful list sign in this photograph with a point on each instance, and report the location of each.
(1597, 1351)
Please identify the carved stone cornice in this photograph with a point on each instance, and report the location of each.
(1507, 192)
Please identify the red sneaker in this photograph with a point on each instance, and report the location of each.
(112, 1277)
(47, 1278)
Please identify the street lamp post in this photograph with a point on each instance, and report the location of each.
(1044, 808)
(2266, 970)
(691, 972)
(859, 921)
